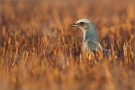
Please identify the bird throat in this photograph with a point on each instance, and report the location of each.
(84, 35)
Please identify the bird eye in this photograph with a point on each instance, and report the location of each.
(81, 23)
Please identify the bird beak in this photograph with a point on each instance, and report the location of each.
(73, 25)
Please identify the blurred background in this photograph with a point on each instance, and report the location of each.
(59, 14)
(36, 44)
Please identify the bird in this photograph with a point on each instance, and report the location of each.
(90, 37)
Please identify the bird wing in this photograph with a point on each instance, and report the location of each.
(94, 45)
(92, 40)
(98, 45)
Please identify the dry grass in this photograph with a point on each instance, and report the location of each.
(38, 49)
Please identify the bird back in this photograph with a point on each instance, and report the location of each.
(91, 38)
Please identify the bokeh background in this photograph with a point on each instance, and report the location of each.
(38, 49)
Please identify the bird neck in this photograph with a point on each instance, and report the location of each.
(84, 36)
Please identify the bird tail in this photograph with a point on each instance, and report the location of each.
(106, 52)
(99, 47)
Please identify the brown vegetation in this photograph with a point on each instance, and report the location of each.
(38, 49)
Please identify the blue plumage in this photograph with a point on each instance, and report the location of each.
(90, 37)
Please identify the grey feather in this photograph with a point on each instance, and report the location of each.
(90, 39)
(91, 34)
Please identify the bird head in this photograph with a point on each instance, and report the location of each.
(90, 36)
(83, 24)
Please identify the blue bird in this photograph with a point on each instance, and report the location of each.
(90, 36)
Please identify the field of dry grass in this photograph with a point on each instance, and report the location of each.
(38, 49)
